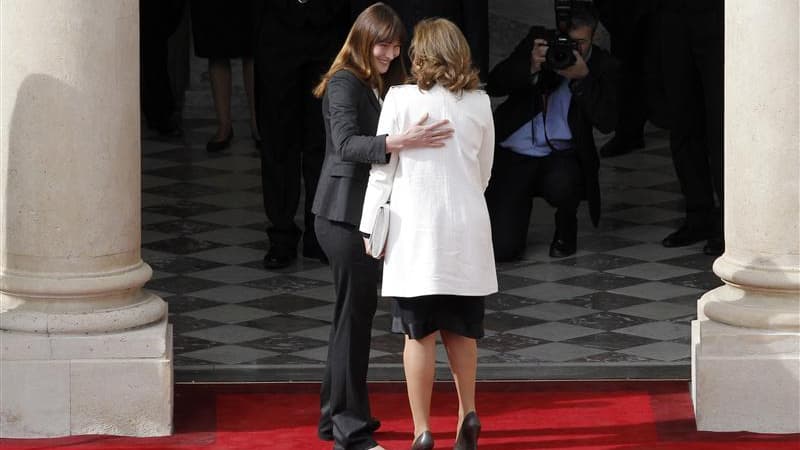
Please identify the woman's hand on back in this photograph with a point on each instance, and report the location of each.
(421, 135)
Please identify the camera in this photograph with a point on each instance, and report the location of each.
(560, 46)
(559, 52)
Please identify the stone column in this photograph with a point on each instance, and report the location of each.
(83, 349)
(746, 361)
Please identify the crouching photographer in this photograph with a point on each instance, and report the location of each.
(559, 86)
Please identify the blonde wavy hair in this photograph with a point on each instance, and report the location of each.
(440, 55)
(377, 24)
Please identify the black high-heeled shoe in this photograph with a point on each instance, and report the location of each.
(423, 442)
(468, 434)
(216, 146)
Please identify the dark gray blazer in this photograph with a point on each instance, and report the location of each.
(350, 111)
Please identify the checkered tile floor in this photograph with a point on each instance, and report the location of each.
(621, 307)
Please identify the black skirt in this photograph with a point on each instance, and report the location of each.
(418, 317)
(223, 29)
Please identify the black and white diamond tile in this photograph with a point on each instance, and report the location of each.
(230, 334)
(554, 331)
(556, 352)
(610, 341)
(622, 301)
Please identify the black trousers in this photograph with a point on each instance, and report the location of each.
(628, 46)
(344, 402)
(291, 127)
(158, 20)
(692, 47)
(516, 179)
(635, 42)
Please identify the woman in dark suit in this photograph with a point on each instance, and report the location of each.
(351, 92)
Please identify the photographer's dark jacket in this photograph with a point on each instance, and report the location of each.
(593, 104)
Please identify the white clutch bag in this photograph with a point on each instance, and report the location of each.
(380, 231)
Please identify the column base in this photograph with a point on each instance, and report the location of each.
(745, 379)
(112, 384)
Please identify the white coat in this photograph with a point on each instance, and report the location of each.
(440, 239)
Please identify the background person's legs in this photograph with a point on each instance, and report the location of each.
(219, 73)
(248, 79)
(313, 153)
(158, 21)
(291, 126)
(688, 132)
(279, 113)
(626, 20)
(707, 49)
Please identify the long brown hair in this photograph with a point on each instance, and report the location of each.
(440, 54)
(376, 24)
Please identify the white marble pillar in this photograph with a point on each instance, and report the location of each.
(746, 359)
(83, 349)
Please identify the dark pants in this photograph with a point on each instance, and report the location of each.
(344, 403)
(628, 45)
(516, 179)
(635, 42)
(290, 123)
(692, 48)
(158, 20)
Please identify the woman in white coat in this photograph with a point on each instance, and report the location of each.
(438, 262)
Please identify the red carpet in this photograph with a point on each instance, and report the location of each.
(516, 416)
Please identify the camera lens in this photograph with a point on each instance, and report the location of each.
(559, 55)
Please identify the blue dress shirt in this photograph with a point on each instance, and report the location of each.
(530, 140)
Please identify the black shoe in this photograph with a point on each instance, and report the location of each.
(218, 146)
(315, 252)
(278, 259)
(327, 434)
(685, 236)
(423, 442)
(373, 425)
(560, 249)
(562, 246)
(468, 434)
(715, 246)
(566, 234)
(617, 146)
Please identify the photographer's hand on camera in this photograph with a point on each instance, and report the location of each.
(538, 55)
(577, 71)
